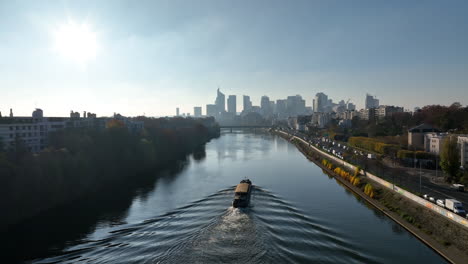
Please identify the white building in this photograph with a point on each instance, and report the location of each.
(463, 146)
(31, 131)
(433, 142)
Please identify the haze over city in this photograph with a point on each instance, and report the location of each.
(222, 131)
(150, 57)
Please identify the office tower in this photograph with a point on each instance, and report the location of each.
(265, 105)
(281, 107)
(197, 111)
(320, 102)
(295, 105)
(220, 101)
(232, 104)
(371, 101)
(212, 110)
(247, 103)
(177, 111)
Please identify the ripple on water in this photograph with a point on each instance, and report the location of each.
(209, 230)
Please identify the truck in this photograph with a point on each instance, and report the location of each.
(455, 206)
(458, 187)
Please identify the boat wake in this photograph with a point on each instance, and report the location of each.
(210, 231)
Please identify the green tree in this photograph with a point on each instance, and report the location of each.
(450, 158)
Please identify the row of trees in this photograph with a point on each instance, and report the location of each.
(450, 161)
(373, 144)
(79, 162)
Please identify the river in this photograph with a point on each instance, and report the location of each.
(297, 214)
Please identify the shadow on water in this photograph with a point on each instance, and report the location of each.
(209, 230)
(199, 154)
(50, 232)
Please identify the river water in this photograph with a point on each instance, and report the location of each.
(297, 214)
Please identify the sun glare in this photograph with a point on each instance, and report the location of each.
(76, 42)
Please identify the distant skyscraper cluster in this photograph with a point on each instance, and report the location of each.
(293, 109)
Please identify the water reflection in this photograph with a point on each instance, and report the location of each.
(52, 231)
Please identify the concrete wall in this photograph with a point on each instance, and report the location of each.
(437, 209)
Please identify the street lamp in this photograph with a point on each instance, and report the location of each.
(420, 177)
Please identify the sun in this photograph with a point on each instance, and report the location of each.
(76, 41)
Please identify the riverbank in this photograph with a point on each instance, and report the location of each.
(446, 238)
(81, 163)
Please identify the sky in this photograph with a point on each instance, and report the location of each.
(149, 57)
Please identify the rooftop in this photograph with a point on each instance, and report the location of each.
(423, 128)
(242, 188)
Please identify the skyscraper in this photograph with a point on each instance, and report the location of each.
(232, 104)
(212, 110)
(265, 105)
(247, 103)
(281, 108)
(220, 102)
(371, 101)
(295, 105)
(197, 111)
(177, 111)
(320, 102)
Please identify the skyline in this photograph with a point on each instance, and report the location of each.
(157, 56)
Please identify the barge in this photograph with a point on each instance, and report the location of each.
(242, 194)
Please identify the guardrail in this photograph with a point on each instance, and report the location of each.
(437, 209)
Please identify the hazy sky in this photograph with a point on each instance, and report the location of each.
(153, 56)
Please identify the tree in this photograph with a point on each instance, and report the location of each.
(450, 158)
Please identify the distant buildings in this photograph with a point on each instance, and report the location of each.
(430, 139)
(220, 102)
(463, 146)
(320, 102)
(232, 104)
(33, 132)
(197, 111)
(348, 115)
(433, 142)
(212, 110)
(321, 120)
(371, 102)
(177, 111)
(369, 114)
(281, 109)
(416, 135)
(247, 104)
(265, 106)
(295, 105)
(388, 110)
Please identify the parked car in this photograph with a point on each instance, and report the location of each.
(440, 203)
(426, 196)
(432, 199)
